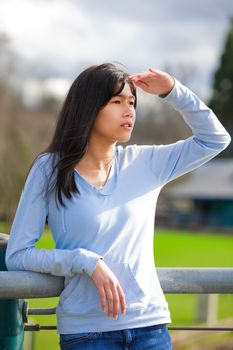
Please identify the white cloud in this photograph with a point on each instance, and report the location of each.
(55, 29)
(64, 35)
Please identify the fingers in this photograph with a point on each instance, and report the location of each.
(153, 81)
(139, 80)
(135, 78)
(151, 70)
(109, 289)
(115, 304)
(103, 299)
(109, 301)
(141, 77)
(155, 71)
(122, 299)
(142, 80)
(115, 298)
(141, 83)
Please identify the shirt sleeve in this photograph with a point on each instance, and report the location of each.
(27, 228)
(209, 138)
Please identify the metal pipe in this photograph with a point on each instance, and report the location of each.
(42, 311)
(11, 319)
(196, 280)
(37, 327)
(24, 284)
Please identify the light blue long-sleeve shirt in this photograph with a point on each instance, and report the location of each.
(115, 223)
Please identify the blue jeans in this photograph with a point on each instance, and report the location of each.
(144, 338)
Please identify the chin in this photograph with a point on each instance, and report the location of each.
(124, 139)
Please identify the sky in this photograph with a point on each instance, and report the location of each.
(58, 38)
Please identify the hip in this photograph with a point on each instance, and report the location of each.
(143, 338)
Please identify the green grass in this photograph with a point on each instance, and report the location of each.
(4, 227)
(186, 249)
(172, 249)
(189, 249)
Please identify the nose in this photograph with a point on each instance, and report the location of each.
(129, 111)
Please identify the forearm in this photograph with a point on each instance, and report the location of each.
(57, 262)
(209, 138)
(205, 126)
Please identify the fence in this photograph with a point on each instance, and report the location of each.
(26, 285)
(15, 286)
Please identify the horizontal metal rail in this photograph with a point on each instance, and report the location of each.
(37, 327)
(196, 280)
(24, 284)
(42, 311)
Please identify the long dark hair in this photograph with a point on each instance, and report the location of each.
(90, 92)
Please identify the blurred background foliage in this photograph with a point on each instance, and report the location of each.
(222, 98)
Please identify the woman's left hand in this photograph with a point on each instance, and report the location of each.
(153, 81)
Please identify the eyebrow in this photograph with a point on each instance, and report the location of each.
(125, 96)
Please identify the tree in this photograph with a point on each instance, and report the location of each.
(23, 132)
(222, 97)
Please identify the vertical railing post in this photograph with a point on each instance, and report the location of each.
(11, 314)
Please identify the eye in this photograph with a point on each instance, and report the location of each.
(117, 101)
(131, 103)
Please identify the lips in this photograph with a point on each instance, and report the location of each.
(127, 125)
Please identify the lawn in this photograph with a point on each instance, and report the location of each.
(172, 249)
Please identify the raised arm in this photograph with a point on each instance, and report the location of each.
(209, 136)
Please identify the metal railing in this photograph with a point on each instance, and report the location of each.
(27, 285)
(16, 285)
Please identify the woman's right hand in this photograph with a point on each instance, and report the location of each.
(109, 289)
(153, 81)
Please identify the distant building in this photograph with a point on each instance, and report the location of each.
(205, 197)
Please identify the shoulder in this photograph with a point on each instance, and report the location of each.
(40, 169)
(43, 163)
(134, 152)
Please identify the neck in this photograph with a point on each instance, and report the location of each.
(98, 155)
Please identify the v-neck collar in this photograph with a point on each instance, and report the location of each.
(110, 184)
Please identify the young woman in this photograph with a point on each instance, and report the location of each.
(99, 200)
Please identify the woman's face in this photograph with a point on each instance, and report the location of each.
(115, 121)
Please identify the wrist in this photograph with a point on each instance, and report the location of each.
(165, 94)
